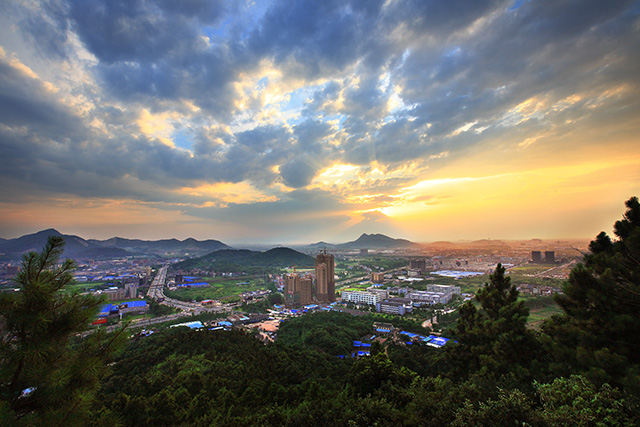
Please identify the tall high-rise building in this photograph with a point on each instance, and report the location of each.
(305, 289)
(536, 257)
(291, 297)
(131, 289)
(298, 290)
(550, 257)
(325, 278)
(418, 264)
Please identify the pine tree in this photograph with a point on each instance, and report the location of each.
(493, 341)
(47, 373)
(598, 335)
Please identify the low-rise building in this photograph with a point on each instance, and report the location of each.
(384, 294)
(361, 297)
(422, 297)
(414, 273)
(133, 307)
(445, 289)
(398, 306)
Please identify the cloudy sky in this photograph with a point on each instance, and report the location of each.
(300, 121)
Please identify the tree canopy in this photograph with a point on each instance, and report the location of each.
(47, 374)
(598, 335)
(493, 339)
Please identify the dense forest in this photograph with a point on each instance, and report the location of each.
(581, 368)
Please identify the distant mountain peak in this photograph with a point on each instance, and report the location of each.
(48, 232)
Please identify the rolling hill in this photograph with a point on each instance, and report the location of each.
(232, 260)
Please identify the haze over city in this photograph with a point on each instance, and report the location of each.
(303, 121)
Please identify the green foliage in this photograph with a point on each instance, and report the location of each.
(251, 262)
(511, 407)
(332, 333)
(157, 309)
(185, 377)
(46, 375)
(575, 401)
(493, 341)
(601, 301)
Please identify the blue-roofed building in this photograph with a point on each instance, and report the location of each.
(384, 328)
(137, 306)
(193, 325)
(437, 341)
(192, 284)
(105, 310)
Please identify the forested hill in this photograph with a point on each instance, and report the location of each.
(235, 260)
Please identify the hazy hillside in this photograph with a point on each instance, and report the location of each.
(367, 241)
(77, 247)
(377, 241)
(236, 260)
(189, 245)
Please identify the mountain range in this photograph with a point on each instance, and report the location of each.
(79, 248)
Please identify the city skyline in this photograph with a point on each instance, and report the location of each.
(272, 122)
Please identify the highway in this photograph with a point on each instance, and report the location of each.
(155, 289)
(156, 292)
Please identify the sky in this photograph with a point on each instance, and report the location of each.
(305, 121)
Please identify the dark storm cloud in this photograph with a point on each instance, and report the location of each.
(24, 101)
(316, 37)
(150, 51)
(537, 49)
(50, 31)
(310, 135)
(138, 30)
(298, 172)
(438, 17)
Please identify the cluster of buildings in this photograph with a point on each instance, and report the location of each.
(115, 310)
(544, 290)
(549, 257)
(129, 290)
(299, 289)
(435, 294)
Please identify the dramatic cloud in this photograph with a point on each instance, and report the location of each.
(314, 120)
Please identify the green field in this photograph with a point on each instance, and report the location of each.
(220, 289)
(539, 315)
(80, 287)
